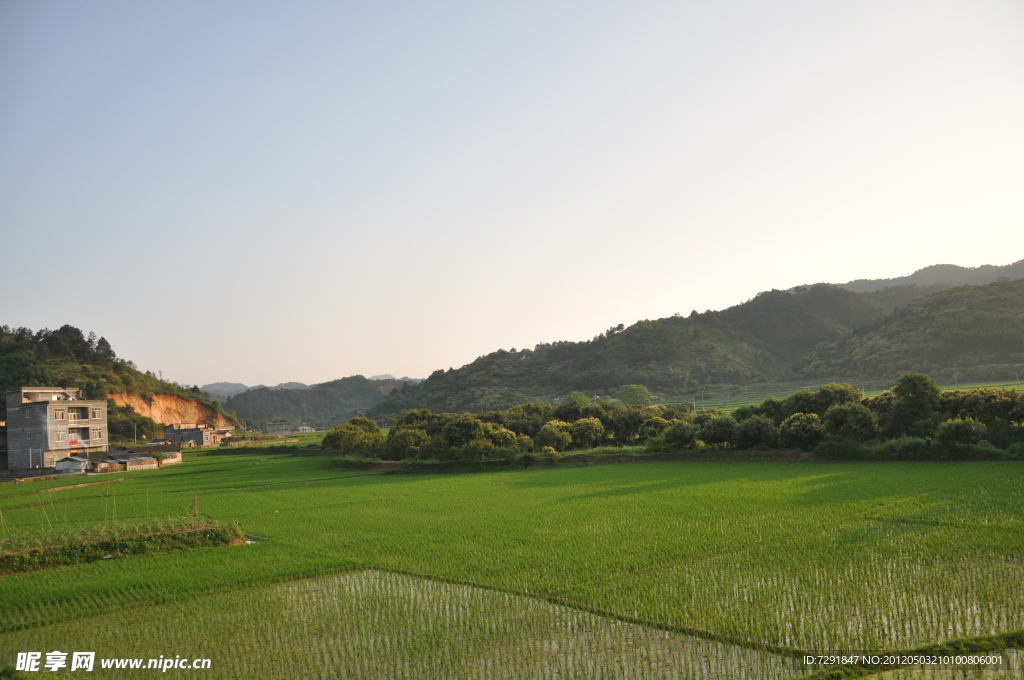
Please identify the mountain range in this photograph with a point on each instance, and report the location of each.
(923, 322)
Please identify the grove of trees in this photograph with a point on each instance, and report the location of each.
(914, 419)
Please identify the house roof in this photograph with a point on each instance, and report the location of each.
(147, 449)
(125, 457)
(79, 459)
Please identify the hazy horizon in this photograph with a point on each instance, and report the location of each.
(265, 193)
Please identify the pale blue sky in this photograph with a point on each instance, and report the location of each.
(264, 192)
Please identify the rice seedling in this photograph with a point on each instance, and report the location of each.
(808, 556)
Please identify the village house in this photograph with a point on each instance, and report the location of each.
(198, 434)
(164, 452)
(277, 427)
(47, 424)
(72, 464)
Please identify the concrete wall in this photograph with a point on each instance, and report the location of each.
(28, 436)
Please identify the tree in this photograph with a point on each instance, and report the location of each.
(587, 432)
(652, 427)
(720, 430)
(756, 432)
(554, 434)
(462, 429)
(834, 394)
(403, 442)
(681, 434)
(479, 449)
(362, 438)
(634, 395)
(916, 398)
(500, 436)
(802, 431)
(851, 421)
(960, 431)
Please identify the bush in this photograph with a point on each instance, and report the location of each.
(960, 431)
(549, 455)
(586, 432)
(835, 448)
(756, 432)
(802, 431)
(555, 434)
(526, 459)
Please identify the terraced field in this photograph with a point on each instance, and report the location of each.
(638, 570)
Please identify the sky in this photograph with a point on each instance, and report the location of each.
(262, 192)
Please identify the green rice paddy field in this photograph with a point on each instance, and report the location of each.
(644, 570)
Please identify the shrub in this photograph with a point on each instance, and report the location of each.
(549, 455)
(960, 431)
(801, 430)
(526, 459)
(586, 432)
(756, 432)
(524, 443)
(719, 430)
(851, 421)
(555, 434)
(834, 448)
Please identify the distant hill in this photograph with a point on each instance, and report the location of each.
(748, 343)
(223, 390)
(943, 275)
(330, 401)
(968, 333)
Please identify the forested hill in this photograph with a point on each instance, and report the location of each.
(747, 343)
(66, 357)
(330, 401)
(941, 276)
(968, 333)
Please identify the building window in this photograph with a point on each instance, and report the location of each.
(96, 413)
(97, 434)
(60, 436)
(59, 414)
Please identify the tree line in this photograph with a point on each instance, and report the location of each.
(914, 419)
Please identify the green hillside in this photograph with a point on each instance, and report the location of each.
(969, 333)
(330, 401)
(66, 357)
(748, 343)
